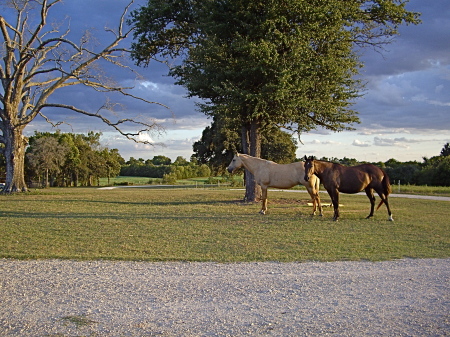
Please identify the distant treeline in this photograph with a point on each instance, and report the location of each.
(162, 167)
(433, 172)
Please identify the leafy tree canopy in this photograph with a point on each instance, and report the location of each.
(445, 150)
(285, 63)
(161, 160)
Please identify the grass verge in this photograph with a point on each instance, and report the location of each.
(213, 225)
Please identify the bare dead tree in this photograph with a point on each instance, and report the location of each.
(38, 60)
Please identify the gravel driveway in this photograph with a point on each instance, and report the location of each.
(61, 298)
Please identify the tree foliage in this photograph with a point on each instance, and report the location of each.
(436, 170)
(161, 160)
(446, 150)
(161, 167)
(67, 159)
(47, 157)
(277, 62)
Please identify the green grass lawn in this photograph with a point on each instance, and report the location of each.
(123, 180)
(213, 225)
(421, 190)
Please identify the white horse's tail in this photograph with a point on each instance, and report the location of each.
(317, 185)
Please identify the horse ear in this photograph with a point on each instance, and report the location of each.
(306, 157)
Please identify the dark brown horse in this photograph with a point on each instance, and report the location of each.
(337, 178)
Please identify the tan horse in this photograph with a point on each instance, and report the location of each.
(270, 174)
(337, 178)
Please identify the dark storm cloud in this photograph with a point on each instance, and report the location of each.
(417, 47)
(409, 86)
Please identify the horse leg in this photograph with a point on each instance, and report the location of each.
(384, 199)
(314, 202)
(334, 195)
(264, 200)
(369, 192)
(386, 202)
(315, 199)
(316, 196)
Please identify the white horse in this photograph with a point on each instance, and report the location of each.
(270, 174)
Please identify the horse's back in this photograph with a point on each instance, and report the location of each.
(285, 175)
(373, 171)
(354, 179)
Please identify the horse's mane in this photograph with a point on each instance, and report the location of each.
(249, 156)
(330, 162)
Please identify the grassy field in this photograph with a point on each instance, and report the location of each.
(213, 225)
(422, 190)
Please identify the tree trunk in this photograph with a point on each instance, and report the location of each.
(46, 179)
(15, 144)
(251, 144)
(74, 178)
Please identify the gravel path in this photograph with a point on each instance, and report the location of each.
(101, 298)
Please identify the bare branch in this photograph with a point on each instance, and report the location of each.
(146, 126)
(44, 66)
(55, 125)
(44, 12)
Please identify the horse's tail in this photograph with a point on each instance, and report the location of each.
(317, 185)
(387, 188)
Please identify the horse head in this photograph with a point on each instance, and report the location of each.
(309, 167)
(236, 163)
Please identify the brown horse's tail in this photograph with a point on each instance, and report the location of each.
(387, 188)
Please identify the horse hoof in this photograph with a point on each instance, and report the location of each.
(391, 218)
(262, 212)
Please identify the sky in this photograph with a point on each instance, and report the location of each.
(405, 112)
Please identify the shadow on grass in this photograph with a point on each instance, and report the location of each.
(146, 203)
(117, 216)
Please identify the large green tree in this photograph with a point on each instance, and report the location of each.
(286, 63)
